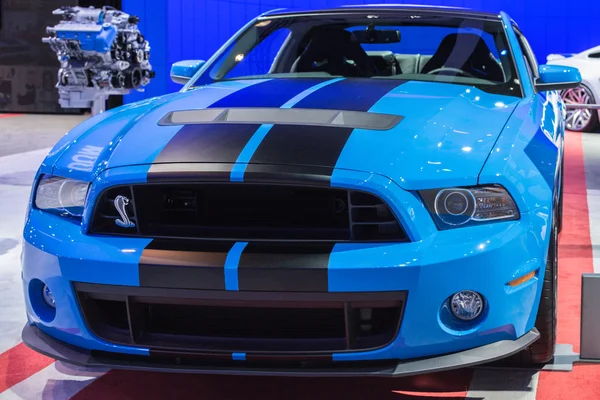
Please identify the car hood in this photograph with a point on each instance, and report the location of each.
(441, 135)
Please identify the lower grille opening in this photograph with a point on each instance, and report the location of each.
(273, 326)
(249, 322)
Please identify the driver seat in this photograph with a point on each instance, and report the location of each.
(329, 50)
(467, 52)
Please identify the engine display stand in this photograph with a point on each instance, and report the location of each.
(99, 105)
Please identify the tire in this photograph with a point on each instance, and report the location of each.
(559, 217)
(542, 351)
(581, 120)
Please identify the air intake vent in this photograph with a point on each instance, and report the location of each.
(371, 219)
(245, 212)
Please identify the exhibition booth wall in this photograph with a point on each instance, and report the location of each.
(195, 29)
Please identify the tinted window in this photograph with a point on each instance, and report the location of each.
(530, 58)
(426, 39)
(452, 50)
(260, 60)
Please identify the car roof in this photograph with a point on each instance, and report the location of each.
(436, 10)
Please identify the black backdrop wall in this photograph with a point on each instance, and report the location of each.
(28, 68)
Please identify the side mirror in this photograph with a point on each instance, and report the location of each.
(557, 77)
(183, 71)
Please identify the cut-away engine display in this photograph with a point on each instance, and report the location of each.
(101, 52)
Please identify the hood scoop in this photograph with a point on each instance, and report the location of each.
(283, 116)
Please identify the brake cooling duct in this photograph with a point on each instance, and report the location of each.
(101, 53)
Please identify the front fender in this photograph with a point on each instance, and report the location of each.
(526, 157)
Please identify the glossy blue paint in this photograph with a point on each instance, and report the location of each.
(445, 137)
(185, 69)
(542, 151)
(231, 266)
(558, 74)
(508, 163)
(438, 266)
(40, 263)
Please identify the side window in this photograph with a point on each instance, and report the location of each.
(529, 68)
(260, 59)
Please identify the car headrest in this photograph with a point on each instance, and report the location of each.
(466, 51)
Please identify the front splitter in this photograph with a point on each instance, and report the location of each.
(44, 344)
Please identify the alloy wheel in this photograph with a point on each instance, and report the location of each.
(578, 119)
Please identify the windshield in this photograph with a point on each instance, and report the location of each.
(464, 51)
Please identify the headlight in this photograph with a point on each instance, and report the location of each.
(61, 195)
(456, 207)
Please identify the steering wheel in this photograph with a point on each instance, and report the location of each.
(455, 71)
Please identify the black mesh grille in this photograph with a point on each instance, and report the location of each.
(248, 212)
(273, 323)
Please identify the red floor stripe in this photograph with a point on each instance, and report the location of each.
(575, 251)
(581, 384)
(575, 258)
(117, 385)
(18, 364)
(9, 115)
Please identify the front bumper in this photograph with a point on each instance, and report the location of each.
(429, 269)
(44, 344)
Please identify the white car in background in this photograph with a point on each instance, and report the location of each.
(588, 63)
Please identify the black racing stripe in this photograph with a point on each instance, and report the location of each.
(350, 94)
(203, 172)
(288, 174)
(184, 264)
(284, 267)
(317, 145)
(207, 143)
(223, 143)
(302, 145)
(272, 93)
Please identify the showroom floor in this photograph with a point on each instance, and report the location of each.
(24, 141)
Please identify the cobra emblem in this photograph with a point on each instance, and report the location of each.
(121, 203)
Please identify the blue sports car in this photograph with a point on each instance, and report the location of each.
(352, 191)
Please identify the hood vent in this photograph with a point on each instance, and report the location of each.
(283, 116)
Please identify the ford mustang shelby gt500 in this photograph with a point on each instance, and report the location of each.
(356, 191)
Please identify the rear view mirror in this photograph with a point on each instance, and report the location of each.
(376, 36)
(557, 77)
(183, 71)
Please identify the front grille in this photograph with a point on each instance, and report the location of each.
(247, 212)
(279, 323)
